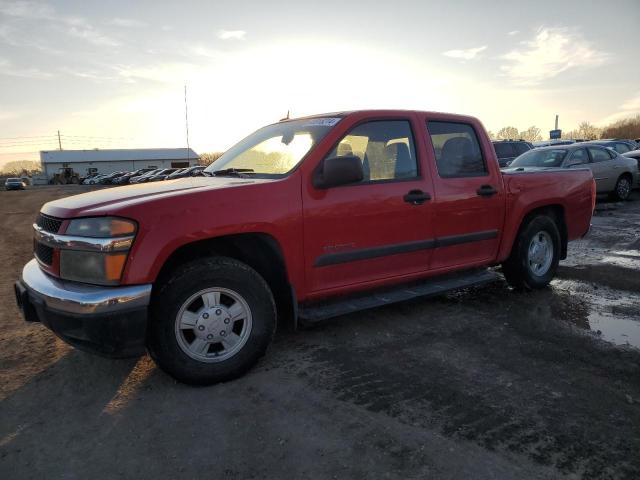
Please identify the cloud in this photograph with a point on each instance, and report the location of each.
(93, 36)
(468, 54)
(127, 23)
(26, 9)
(231, 34)
(628, 109)
(551, 52)
(168, 72)
(72, 25)
(8, 69)
(513, 32)
(632, 104)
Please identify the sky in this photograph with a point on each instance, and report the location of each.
(112, 74)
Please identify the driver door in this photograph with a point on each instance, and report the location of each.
(373, 230)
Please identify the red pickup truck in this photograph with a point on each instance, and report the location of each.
(303, 220)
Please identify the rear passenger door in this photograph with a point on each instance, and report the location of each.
(469, 203)
(603, 168)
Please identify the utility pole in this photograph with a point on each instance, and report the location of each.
(59, 141)
(186, 122)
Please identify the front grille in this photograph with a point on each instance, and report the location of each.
(48, 224)
(43, 252)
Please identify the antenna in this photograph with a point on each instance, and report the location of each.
(186, 122)
(285, 118)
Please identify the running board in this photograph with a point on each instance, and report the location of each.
(316, 312)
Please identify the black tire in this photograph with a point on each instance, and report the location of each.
(517, 270)
(185, 281)
(622, 190)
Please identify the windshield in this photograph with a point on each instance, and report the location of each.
(273, 150)
(552, 157)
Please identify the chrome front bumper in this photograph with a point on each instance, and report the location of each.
(109, 321)
(77, 298)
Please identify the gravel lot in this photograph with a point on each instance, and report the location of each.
(482, 383)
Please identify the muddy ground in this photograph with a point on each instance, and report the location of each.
(482, 383)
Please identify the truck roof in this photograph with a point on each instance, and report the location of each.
(382, 112)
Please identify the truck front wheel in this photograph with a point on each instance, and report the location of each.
(535, 255)
(211, 321)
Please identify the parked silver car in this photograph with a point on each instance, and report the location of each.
(634, 154)
(615, 174)
(14, 184)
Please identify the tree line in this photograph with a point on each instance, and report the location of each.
(626, 128)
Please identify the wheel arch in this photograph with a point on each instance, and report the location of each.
(260, 251)
(557, 213)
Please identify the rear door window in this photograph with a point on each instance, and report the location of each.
(621, 147)
(599, 154)
(580, 154)
(504, 150)
(456, 149)
(521, 148)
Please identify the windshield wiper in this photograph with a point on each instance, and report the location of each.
(238, 172)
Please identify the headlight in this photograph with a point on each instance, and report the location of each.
(101, 227)
(94, 250)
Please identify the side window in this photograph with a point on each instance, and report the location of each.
(580, 154)
(457, 150)
(621, 147)
(521, 148)
(385, 148)
(599, 154)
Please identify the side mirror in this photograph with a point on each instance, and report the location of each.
(336, 171)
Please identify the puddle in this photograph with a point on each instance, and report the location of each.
(616, 329)
(614, 315)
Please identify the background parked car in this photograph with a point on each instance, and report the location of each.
(93, 179)
(108, 179)
(144, 177)
(634, 154)
(507, 150)
(186, 172)
(124, 179)
(620, 146)
(614, 174)
(14, 184)
(162, 175)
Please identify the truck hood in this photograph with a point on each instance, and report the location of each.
(102, 202)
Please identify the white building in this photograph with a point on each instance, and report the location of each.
(85, 162)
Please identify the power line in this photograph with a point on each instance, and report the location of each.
(89, 136)
(26, 136)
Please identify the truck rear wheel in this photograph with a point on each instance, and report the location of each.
(535, 255)
(211, 321)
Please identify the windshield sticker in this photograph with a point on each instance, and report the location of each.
(321, 122)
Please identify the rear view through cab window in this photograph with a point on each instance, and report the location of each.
(456, 149)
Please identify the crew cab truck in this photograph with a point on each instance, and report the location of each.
(302, 220)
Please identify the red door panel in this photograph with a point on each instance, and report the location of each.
(363, 233)
(469, 202)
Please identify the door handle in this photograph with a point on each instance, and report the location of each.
(486, 191)
(416, 197)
